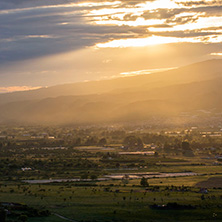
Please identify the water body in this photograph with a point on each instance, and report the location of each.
(137, 153)
(150, 175)
(117, 176)
(62, 180)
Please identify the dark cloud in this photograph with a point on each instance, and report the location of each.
(182, 20)
(199, 3)
(161, 13)
(191, 33)
(31, 29)
(12, 4)
(171, 13)
(209, 10)
(37, 32)
(21, 32)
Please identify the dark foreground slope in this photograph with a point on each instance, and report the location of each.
(162, 95)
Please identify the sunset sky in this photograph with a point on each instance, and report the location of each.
(50, 42)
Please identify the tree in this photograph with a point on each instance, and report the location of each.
(2, 215)
(132, 142)
(102, 142)
(167, 147)
(78, 142)
(144, 182)
(84, 176)
(125, 179)
(91, 141)
(185, 145)
(93, 177)
(186, 149)
(23, 218)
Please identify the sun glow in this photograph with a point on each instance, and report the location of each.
(158, 4)
(201, 23)
(18, 88)
(146, 71)
(137, 22)
(158, 40)
(216, 54)
(137, 42)
(93, 4)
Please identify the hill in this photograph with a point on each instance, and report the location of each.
(168, 94)
(196, 72)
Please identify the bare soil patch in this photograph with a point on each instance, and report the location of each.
(214, 182)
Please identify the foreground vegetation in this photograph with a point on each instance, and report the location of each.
(90, 157)
(110, 202)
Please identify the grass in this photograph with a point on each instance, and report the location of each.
(95, 204)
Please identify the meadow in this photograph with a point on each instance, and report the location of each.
(106, 201)
(93, 195)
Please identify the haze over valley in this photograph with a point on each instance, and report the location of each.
(190, 89)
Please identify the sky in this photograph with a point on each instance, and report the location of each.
(51, 42)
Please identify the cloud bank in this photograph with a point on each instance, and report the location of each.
(35, 29)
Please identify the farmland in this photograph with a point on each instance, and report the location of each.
(69, 178)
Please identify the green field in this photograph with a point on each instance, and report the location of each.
(94, 196)
(99, 201)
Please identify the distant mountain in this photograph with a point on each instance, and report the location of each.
(187, 89)
(196, 72)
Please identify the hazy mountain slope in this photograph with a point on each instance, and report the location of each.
(196, 72)
(141, 105)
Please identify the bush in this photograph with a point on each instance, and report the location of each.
(144, 182)
(23, 218)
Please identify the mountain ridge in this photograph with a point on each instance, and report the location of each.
(122, 84)
(164, 102)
